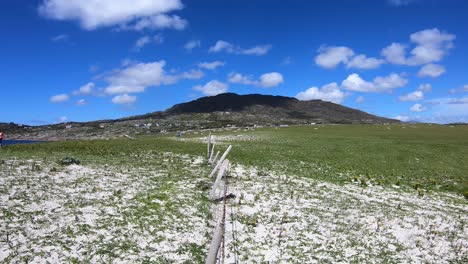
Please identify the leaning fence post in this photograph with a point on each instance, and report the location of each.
(209, 142)
(220, 161)
(215, 244)
(215, 158)
(212, 151)
(221, 173)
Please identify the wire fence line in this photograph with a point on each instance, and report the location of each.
(219, 192)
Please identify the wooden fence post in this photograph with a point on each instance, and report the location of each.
(220, 161)
(221, 173)
(212, 151)
(209, 142)
(215, 158)
(215, 244)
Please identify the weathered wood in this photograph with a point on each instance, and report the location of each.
(221, 173)
(218, 165)
(211, 153)
(209, 142)
(215, 244)
(215, 158)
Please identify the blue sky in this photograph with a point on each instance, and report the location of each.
(75, 60)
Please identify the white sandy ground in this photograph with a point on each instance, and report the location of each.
(285, 219)
(96, 215)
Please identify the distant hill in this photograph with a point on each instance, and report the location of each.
(278, 107)
(223, 110)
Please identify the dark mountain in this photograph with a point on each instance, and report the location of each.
(224, 110)
(277, 108)
(230, 102)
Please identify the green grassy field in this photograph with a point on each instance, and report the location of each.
(429, 157)
(312, 194)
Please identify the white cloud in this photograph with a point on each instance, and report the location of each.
(330, 56)
(266, 80)
(213, 87)
(92, 14)
(137, 77)
(380, 84)
(402, 118)
(81, 102)
(418, 108)
(257, 50)
(360, 100)
(431, 70)
(211, 65)
(431, 46)
(362, 62)
(462, 89)
(124, 99)
(449, 109)
(418, 94)
(160, 21)
(395, 53)
(191, 75)
(330, 92)
(61, 38)
(59, 98)
(271, 79)
(86, 89)
(62, 119)
(189, 46)
(225, 46)
(426, 87)
(414, 96)
(222, 45)
(242, 79)
(145, 40)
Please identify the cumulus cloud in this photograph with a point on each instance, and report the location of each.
(363, 62)
(402, 118)
(92, 14)
(431, 70)
(124, 99)
(330, 56)
(380, 84)
(431, 46)
(189, 46)
(86, 89)
(241, 79)
(271, 79)
(212, 88)
(211, 65)
(418, 94)
(266, 80)
(395, 53)
(418, 108)
(414, 96)
(224, 46)
(330, 92)
(145, 40)
(135, 78)
(59, 98)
